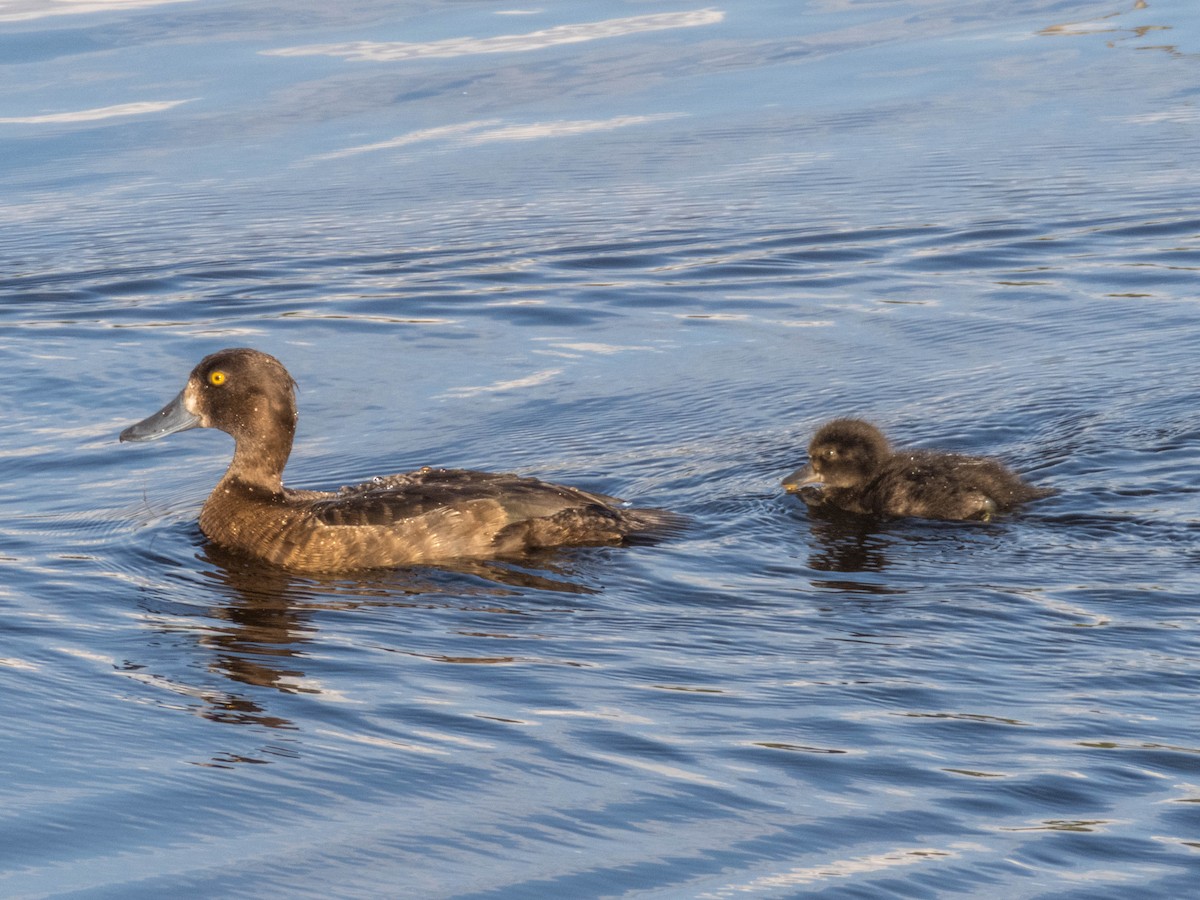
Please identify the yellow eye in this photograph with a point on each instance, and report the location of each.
(217, 378)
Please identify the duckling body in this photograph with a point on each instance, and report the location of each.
(852, 467)
(417, 517)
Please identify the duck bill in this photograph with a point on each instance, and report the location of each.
(173, 417)
(802, 478)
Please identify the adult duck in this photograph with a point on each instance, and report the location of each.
(425, 516)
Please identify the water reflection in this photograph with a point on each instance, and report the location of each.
(265, 626)
(95, 114)
(1120, 32)
(265, 614)
(392, 51)
(28, 10)
(846, 543)
(486, 131)
(1101, 25)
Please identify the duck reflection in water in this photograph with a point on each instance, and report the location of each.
(846, 544)
(264, 624)
(260, 619)
(269, 611)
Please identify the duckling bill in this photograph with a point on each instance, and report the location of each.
(852, 467)
(425, 516)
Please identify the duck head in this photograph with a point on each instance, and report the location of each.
(845, 453)
(247, 394)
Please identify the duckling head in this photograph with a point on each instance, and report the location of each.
(844, 453)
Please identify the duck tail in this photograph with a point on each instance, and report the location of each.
(649, 523)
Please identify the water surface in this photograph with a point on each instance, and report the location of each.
(646, 249)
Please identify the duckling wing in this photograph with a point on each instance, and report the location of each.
(948, 486)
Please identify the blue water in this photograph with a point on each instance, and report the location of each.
(646, 249)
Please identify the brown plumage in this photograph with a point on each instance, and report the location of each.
(413, 518)
(853, 468)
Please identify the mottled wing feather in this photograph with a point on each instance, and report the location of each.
(948, 485)
(397, 499)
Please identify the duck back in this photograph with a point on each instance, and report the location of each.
(935, 485)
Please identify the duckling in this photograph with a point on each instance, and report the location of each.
(852, 467)
(414, 518)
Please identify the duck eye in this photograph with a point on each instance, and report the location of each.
(217, 378)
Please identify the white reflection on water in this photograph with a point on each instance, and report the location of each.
(1103, 24)
(41, 9)
(1179, 115)
(95, 114)
(573, 349)
(484, 131)
(901, 856)
(514, 384)
(391, 51)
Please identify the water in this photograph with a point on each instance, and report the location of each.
(645, 249)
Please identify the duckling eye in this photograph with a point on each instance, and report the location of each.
(831, 453)
(217, 378)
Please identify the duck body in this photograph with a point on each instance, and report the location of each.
(852, 467)
(413, 518)
(424, 516)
